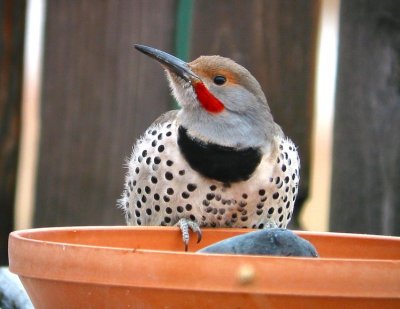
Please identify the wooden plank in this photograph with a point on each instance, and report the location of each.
(276, 41)
(12, 23)
(97, 99)
(366, 172)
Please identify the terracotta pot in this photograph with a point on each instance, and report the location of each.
(130, 267)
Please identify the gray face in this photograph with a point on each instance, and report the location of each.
(245, 121)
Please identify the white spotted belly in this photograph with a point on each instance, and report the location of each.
(161, 187)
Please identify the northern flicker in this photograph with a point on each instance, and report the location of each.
(219, 161)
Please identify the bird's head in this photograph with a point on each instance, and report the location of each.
(221, 101)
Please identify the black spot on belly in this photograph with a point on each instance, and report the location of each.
(210, 196)
(225, 164)
(191, 187)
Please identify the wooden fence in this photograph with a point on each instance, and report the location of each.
(99, 95)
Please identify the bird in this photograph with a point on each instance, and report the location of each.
(219, 161)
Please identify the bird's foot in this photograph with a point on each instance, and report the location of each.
(186, 224)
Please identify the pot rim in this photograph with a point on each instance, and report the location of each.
(154, 268)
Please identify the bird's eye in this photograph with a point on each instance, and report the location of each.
(219, 80)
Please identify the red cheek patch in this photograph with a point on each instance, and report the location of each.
(207, 100)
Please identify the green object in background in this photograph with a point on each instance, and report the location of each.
(183, 31)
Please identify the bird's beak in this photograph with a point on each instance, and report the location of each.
(172, 63)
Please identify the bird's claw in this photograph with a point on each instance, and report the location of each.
(185, 224)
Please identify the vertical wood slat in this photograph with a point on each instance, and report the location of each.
(98, 96)
(366, 166)
(12, 22)
(276, 41)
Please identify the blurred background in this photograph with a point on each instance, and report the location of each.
(74, 96)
